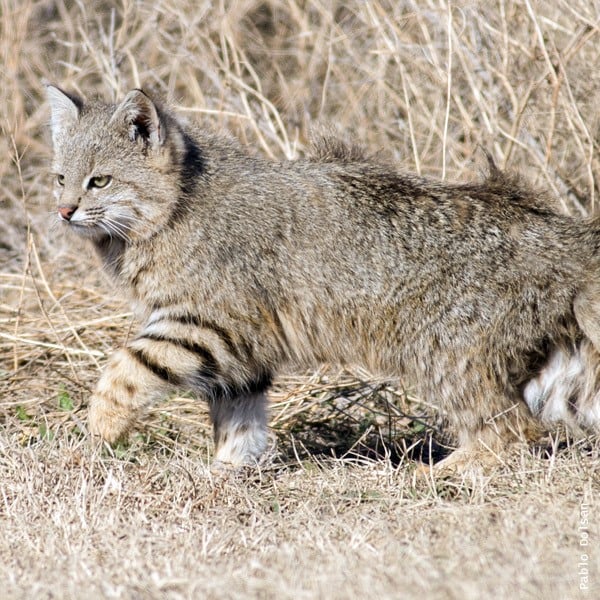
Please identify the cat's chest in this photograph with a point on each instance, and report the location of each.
(150, 276)
(166, 274)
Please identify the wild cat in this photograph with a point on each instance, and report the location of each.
(476, 295)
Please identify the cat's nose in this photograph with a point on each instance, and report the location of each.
(66, 212)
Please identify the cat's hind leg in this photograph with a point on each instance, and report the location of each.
(488, 416)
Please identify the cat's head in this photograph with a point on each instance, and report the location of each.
(117, 168)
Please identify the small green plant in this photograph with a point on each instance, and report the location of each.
(65, 402)
(22, 414)
(45, 433)
(418, 426)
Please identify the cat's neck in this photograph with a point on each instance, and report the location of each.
(111, 250)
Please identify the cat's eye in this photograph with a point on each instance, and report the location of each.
(60, 179)
(100, 181)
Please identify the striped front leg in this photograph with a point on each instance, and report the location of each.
(129, 382)
(195, 355)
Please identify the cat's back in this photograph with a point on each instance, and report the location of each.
(338, 214)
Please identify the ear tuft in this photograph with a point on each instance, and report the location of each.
(140, 115)
(64, 110)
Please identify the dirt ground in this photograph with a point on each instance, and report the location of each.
(336, 510)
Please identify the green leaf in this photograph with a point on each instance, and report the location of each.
(418, 426)
(44, 432)
(22, 414)
(65, 401)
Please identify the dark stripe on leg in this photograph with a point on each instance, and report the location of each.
(210, 366)
(223, 334)
(160, 371)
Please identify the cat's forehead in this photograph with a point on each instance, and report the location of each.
(94, 123)
(91, 137)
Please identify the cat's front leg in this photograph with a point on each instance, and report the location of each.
(140, 373)
(240, 428)
(126, 386)
(190, 353)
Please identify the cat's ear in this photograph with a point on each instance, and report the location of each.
(139, 114)
(64, 110)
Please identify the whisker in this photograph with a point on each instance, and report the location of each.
(118, 228)
(105, 228)
(120, 225)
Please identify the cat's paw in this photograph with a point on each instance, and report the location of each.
(462, 464)
(108, 419)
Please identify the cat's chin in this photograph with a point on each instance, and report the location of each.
(90, 232)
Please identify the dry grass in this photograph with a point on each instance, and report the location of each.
(336, 512)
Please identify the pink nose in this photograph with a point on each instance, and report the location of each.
(66, 212)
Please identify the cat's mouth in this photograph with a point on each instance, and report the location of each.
(95, 228)
(86, 229)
